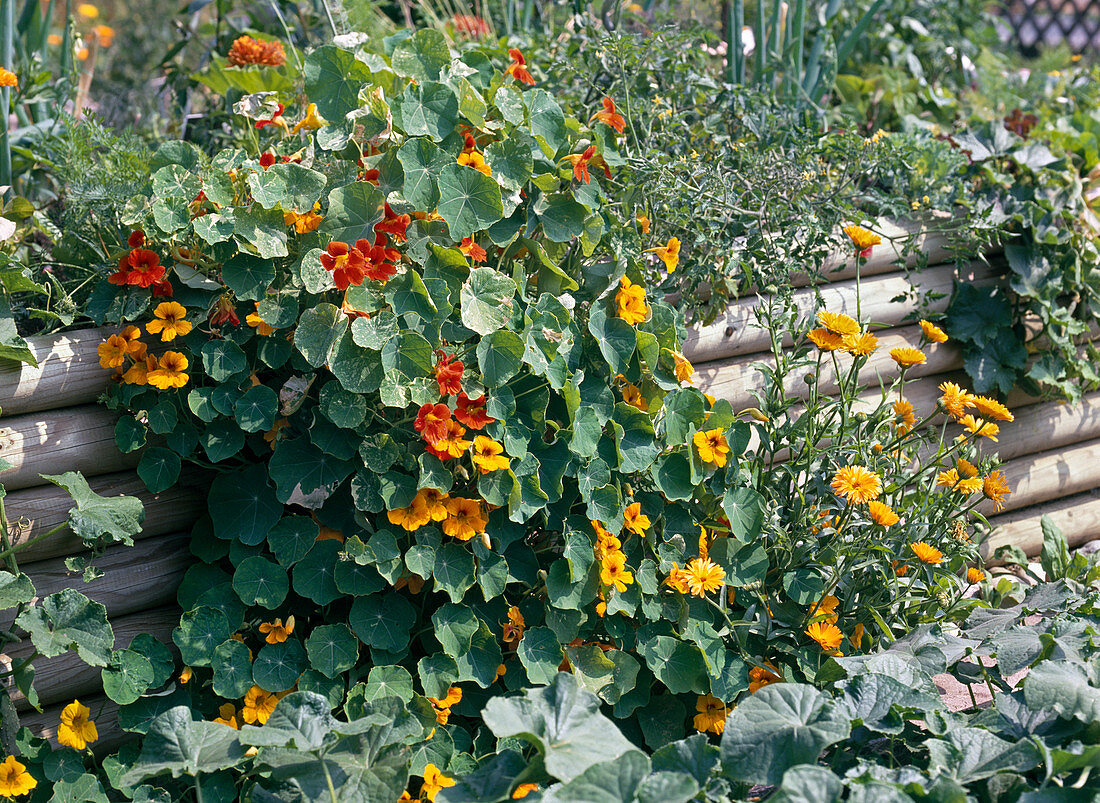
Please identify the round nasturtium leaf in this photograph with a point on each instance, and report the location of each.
(232, 664)
(259, 581)
(343, 408)
(159, 468)
(292, 538)
(332, 649)
(243, 505)
(255, 410)
(315, 574)
(383, 621)
(201, 629)
(129, 676)
(278, 666)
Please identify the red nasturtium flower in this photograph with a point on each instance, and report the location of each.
(580, 163)
(267, 158)
(610, 116)
(347, 265)
(470, 26)
(162, 289)
(136, 239)
(247, 51)
(433, 422)
(380, 265)
(471, 412)
(393, 224)
(448, 374)
(140, 268)
(471, 250)
(275, 119)
(223, 311)
(518, 68)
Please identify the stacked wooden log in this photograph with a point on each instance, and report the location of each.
(1051, 451)
(51, 424)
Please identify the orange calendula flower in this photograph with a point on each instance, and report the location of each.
(995, 488)
(825, 340)
(276, 632)
(169, 372)
(863, 239)
(488, 455)
(951, 479)
(8, 78)
(926, 553)
(824, 610)
(112, 352)
(838, 323)
(169, 321)
(702, 576)
(246, 51)
(634, 520)
(105, 35)
(933, 332)
(258, 705)
(955, 400)
(630, 299)
(613, 571)
(609, 116)
(76, 729)
(991, 409)
(974, 575)
(904, 419)
(227, 715)
(471, 250)
(633, 396)
(518, 68)
(856, 484)
(711, 446)
(434, 781)
(761, 676)
(863, 345)
(669, 253)
(712, 715)
(967, 469)
(513, 628)
(827, 635)
(977, 426)
(881, 514)
(15, 781)
(466, 519)
(256, 322)
(908, 357)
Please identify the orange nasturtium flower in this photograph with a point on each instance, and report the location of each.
(712, 715)
(170, 371)
(761, 676)
(276, 632)
(471, 250)
(514, 627)
(634, 520)
(581, 161)
(682, 366)
(863, 239)
(643, 222)
(518, 68)
(8, 78)
(669, 253)
(856, 484)
(488, 455)
(254, 320)
(452, 444)
(476, 160)
(169, 321)
(443, 707)
(466, 519)
(227, 715)
(712, 446)
(310, 122)
(926, 553)
(258, 705)
(630, 299)
(610, 116)
(15, 781)
(434, 781)
(413, 517)
(112, 352)
(76, 729)
(613, 571)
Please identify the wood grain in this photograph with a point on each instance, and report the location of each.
(68, 373)
(1077, 516)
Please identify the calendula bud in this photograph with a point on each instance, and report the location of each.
(755, 414)
(877, 448)
(485, 540)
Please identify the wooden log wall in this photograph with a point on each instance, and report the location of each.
(1051, 451)
(50, 424)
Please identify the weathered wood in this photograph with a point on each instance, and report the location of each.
(1050, 475)
(1077, 516)
(135, 578)
(68, 373)
(735, 332)
(33, 511)
(735, 379)
(104, 714)
(74, 439)
(64, 677)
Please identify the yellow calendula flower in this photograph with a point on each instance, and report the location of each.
(15, 781)
(974, 575)
(856, 484)
(630, 300)
(276, 632)
(863, 345)
(995, 488)
(87, 10)
(712, 715)
(669, 253)
(838, 323)
(76, 729)
(991, 409)
(926, 553)
(488, 455)
(904, 419)
(955, 400)
(908, 357)
(169, 321)
(8, 78)
(825, 339)
(933, 332)
(702, 576)
(863, 239)
(711, 446)
(978, 426)
(824, 610)
(827, 635)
